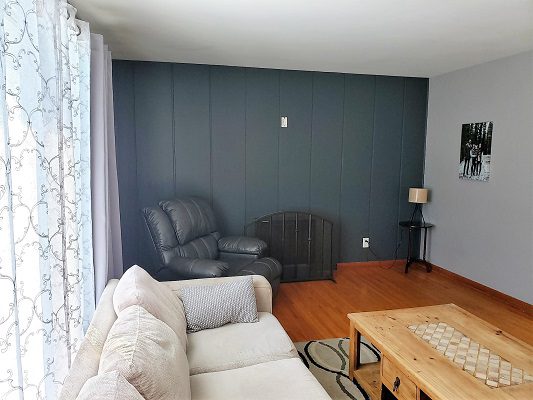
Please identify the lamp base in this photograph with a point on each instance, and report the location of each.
(418, 207)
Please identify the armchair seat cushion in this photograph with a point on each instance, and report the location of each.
(269, 267)
(239, 345)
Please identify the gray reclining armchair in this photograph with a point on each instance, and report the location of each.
(189, 246)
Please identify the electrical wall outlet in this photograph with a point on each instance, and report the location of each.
(366, 243)
(284, 122)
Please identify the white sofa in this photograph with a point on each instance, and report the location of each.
(235, 361)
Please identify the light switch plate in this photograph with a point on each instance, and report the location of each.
(284, 122)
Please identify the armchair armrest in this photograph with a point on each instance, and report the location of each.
(242, 245)
(192, 268)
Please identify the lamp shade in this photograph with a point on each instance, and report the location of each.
(418, 195)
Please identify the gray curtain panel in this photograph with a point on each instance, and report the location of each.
(107, 241)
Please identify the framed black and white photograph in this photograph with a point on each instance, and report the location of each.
(476, 142)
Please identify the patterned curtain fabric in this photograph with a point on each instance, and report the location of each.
(46, 265)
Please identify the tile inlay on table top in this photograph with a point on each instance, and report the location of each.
(472, 357)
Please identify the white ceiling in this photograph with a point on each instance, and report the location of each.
(385, 37)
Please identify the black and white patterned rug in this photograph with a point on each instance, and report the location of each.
(328, 362)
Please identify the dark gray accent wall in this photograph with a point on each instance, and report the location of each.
(353, 147)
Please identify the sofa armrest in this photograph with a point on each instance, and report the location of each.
(191, 268)
(87, 360)
(262, 288)
(242, 245)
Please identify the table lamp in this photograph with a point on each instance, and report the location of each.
(418, 196)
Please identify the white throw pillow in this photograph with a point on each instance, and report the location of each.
(137, 287)
(211, 306)
(146, 352)
(108, 386)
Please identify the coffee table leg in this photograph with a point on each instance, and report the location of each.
(355, 347)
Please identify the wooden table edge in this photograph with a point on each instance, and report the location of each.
(356, 326)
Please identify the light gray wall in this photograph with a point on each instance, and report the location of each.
(484, 230)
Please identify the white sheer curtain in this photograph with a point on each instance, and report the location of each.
(46, 259)
(107, 241)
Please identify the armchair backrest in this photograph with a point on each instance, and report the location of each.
(184, 227)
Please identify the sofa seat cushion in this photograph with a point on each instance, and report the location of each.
(239, 345)
(287, 379)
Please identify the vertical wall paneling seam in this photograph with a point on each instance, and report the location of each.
(279, 135)
(137, 201)
(425, 143)
(172, 102)
(339, 206)
(371, 160)
(245, 209)
(426, 134)
(401, 165)
(210, 140)
(311, 141)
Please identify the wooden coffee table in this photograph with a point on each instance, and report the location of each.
(439, 352)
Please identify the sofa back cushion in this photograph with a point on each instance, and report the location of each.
(108, 386)
(147, 353)
(211, 306)
(137, 287)
(191, 218)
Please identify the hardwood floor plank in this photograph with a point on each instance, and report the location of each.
(317, 310)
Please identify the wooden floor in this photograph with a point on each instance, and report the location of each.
(317, 310)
